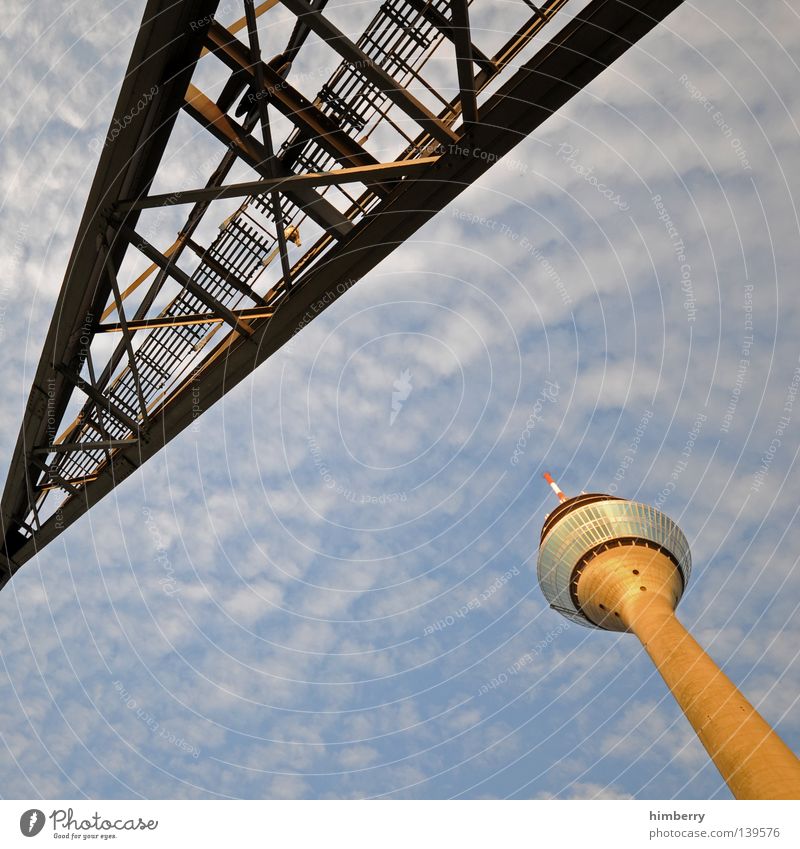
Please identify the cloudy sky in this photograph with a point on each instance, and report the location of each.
(317, 589)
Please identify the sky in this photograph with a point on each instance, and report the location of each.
(326, 587)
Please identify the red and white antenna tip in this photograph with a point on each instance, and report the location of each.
(554, 486)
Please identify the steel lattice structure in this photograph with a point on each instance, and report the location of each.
(210, 308)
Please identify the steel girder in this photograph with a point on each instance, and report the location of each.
(166, 360)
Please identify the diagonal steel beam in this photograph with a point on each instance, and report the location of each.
(53, 476)
(300, 34)
(266, 139)
(126, 333)
(226, 130)
(175, 271)
(466, 75)
(592, 40)
(431, 14)
(349, 51)
(101, 400)
(66, 447)
(304, 114)
(186, 320)
(231, 279)
(174, 252)
(162, 61)
(366, 174)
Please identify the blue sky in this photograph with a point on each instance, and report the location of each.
(314, 593)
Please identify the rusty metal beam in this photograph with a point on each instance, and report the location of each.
(463, 44)
(231, 279)
(400, 96)
(162, 62)
(245, 315)
(434, 16)
(66, 447)
(304, 114)
(589, 43)
(226, 130)
(366, 174)
(176, 272)
(98, 398)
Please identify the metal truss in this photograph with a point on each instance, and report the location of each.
(318, 212)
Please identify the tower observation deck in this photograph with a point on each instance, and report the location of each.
(618, 565)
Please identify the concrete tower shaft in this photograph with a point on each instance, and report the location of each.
(636, 589)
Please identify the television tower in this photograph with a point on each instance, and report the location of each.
(618, 565)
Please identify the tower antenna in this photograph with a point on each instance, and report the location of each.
(555, 487)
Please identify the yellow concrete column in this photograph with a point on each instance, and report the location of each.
(636, 589)
(751, 757)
